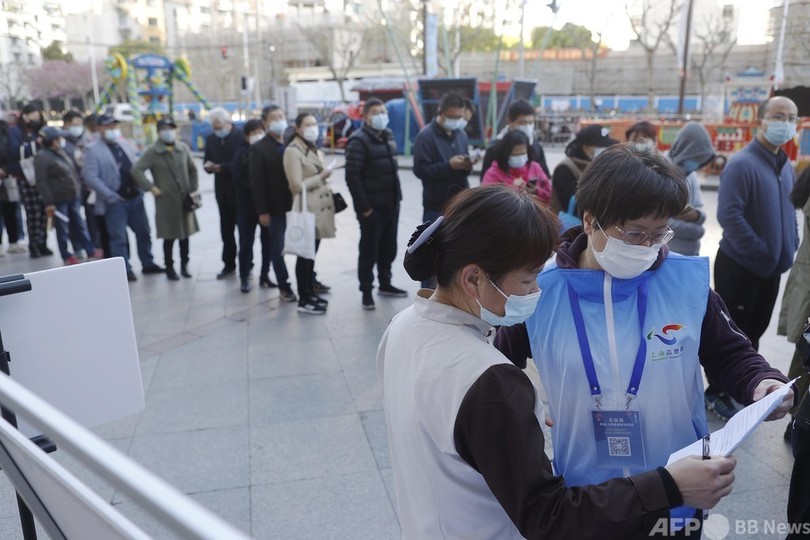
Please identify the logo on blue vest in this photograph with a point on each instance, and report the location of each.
(666, 339)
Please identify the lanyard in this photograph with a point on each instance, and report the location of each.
(585, 348)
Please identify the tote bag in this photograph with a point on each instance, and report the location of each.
(27, 164)
(299, 238)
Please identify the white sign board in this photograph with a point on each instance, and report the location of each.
(72, 342)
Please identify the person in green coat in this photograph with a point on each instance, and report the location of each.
(174, 176)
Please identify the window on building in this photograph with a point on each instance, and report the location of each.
(728, 11)
(31, 58)
(205, 10)
(150, 3)
(16, 58)
(152, 22)
(154, 40)
(122, 19)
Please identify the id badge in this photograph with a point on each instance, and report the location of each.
(619, 440)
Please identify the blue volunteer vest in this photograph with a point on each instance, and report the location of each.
(670, 394)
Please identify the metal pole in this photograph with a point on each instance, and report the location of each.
(245, 93)
(93, 67)
(424, 36)
(685, 70)
(256, 86)
(521, 45)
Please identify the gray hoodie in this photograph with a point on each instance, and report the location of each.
(691, 150)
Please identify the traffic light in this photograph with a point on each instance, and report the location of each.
(224, 52)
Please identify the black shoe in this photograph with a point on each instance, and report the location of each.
(45, 251)
(171, 274)
(154, 269)
(265, 283)
(312, 308)
(226, 272)
(320, 301)
(245, 287)
(131, 276)
(184, 270)
(368, 301)
(286, 294)
(720, 404)
(320, 288)
(390, 290)
(34, 253)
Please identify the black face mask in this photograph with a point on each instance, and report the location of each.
(35, 125)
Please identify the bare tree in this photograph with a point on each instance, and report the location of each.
(651, 28)
(590, 58)
(338, 49)
(12, 84)
(715, 42)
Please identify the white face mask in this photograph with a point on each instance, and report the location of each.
(598, 150)
(310, 133)
(253, 139)
(379, 121)
(778, 133)
(62, 143)
(518, 161)
(528, 130)
(625, 261)
(75, 131)
(644, 146)
(452, 124)
(112, 135)
(517, 308)
(277, 127)
(167, 136)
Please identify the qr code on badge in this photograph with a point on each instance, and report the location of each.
(618, 446)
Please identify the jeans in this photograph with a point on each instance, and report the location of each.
(247, 221)
(75, 228)
(430, 215)
(378, 245)
(275, 235)
(133, 214)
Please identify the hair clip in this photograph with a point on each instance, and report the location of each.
(425, 237)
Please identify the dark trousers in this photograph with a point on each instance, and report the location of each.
(304, 274)
(430, 215)
(168, 248)
(247, 221)
(275, 234)
(749, 298)
(103, 235)
(8, 211)
(378, 245)
(226, 201)
(34, 215)
(798, 507)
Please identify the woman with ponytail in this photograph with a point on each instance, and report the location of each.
(463, 421)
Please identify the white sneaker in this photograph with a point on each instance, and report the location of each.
(17, 248)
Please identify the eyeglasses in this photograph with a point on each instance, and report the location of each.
(635, 238)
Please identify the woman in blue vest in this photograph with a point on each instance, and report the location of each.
(624, 325)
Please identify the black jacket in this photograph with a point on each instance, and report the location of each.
(57, 177)
(371, 170)
(432, 151)
(222, 152)
(271, 191)
(538, 154)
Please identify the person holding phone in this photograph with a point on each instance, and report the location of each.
(514, 166)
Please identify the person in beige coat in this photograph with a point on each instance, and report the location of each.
(304, 169)
(174, 175)
(796, 299)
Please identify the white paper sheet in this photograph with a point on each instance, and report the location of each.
(725, 440)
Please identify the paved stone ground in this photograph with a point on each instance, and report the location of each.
(273, 419)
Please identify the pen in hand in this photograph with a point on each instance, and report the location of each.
(706, 447)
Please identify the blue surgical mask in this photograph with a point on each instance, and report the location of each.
(452, 124)
(778, 133)
(379, 121)
(277, 127)
(517, 308)
(221, 133)
(75, 131)
(518, 161)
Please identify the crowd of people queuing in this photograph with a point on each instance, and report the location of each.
(609, 236)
